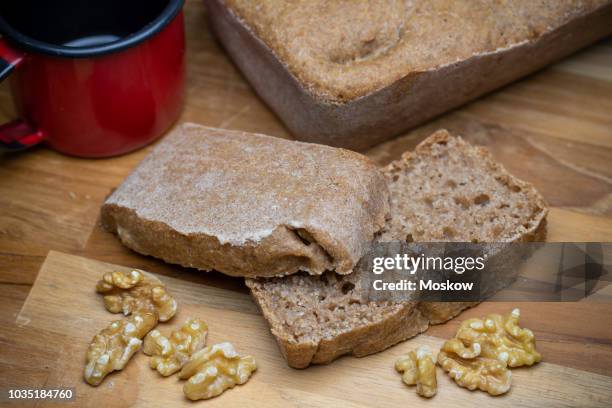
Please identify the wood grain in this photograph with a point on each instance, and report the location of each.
(66, 280)
(553, 129)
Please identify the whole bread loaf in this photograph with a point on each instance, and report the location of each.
(446, 190)
(249, 205)
(353, 73)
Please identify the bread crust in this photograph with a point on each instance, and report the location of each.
(368, 116)
(291, 206)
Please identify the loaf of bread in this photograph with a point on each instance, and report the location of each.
(353, 73)
(249, 205)
(447, 190)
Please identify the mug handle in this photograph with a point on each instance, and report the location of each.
(16, 135)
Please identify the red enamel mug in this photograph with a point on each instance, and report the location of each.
(92, 79)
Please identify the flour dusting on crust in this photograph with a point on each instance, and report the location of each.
(240, 188)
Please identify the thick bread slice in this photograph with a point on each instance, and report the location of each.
(447, 190)
(249, 205)
(316, 319)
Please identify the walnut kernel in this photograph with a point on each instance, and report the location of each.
(134, 291)
(486, 374)
(112, 348)
(483, 350)
(169, 355)
(214, 369)
(418, 368)
(501, 338)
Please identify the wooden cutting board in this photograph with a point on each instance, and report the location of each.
(65, 312)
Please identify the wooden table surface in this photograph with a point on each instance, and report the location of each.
(553, 129)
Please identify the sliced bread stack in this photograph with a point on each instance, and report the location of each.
(295, 218)
(447, 190)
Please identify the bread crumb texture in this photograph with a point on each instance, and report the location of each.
(449, 190)
(344, 49)
(320, 308)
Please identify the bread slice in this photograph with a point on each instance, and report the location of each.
(249, 205)
(447, 190)
(354, 73)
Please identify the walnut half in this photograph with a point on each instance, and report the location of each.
(418, 368)
(131, 292)
(483, 350)
(214, 369)
(501, 338)
(470, 370)
(111, 349)
(169, 355)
